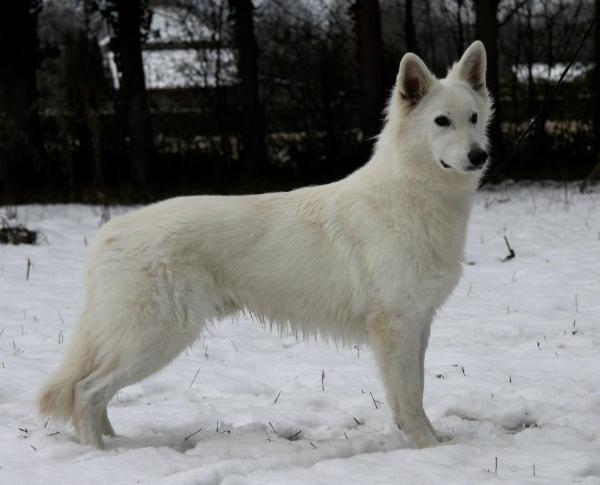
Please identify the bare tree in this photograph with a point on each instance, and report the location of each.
(431, 35)
(486, 29)
(130, 22)
(253, 136)
(595, 174)
(370, 60)
(409, 28)
(596, 85)
(21, 135)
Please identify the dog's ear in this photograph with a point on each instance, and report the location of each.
(472, 66)
(414, 79)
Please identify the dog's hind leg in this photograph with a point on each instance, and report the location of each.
(90, 402)
(398, 343)
(104, 423)
(129, 357)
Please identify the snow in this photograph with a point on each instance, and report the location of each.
(512, 371)
(181, 67)
(541, 71)
(186, 68)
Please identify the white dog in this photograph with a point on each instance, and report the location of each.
(370, 257)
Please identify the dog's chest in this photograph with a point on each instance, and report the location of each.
(420, 251)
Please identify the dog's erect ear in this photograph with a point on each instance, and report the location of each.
(414, 79)
(472, 66)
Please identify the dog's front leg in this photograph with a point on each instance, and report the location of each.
(440, 435)
(399, 344)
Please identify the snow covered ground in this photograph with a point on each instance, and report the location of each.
(513, 371)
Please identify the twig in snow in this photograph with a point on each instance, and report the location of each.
(314, 446)
(496, 465)
(323, 380)
(193, 434)
(28, 268)
(357, 421)
(272, 427)
(17, 350)
(511, 252)
(295, 436)
(61, 318)
(375, 401)
(104, 215)
(574, 331)
(533, 467)
(277, 398)
(194, 379)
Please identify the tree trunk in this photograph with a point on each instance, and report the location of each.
(486, 29)
(459, 26)
(21, 145)
(530, 56)
(253, 133)
(332, 142)
(596, 82)
(595, 173)
(432, 35)
(409, 28)
(133, 102)
(370, 61)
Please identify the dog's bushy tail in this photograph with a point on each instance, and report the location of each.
(57, 397)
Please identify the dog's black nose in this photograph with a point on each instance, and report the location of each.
(477, 157)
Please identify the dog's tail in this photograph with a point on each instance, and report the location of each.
(57, 397)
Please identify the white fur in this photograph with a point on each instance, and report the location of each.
(369, 257)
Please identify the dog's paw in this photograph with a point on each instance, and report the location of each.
(426, 442)
(423, 438)
(443, 436)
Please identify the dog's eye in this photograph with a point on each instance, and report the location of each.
(442, 121)
(474, 118)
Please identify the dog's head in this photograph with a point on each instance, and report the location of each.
(454, 112)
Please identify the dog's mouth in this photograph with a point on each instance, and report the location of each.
(470, 168)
